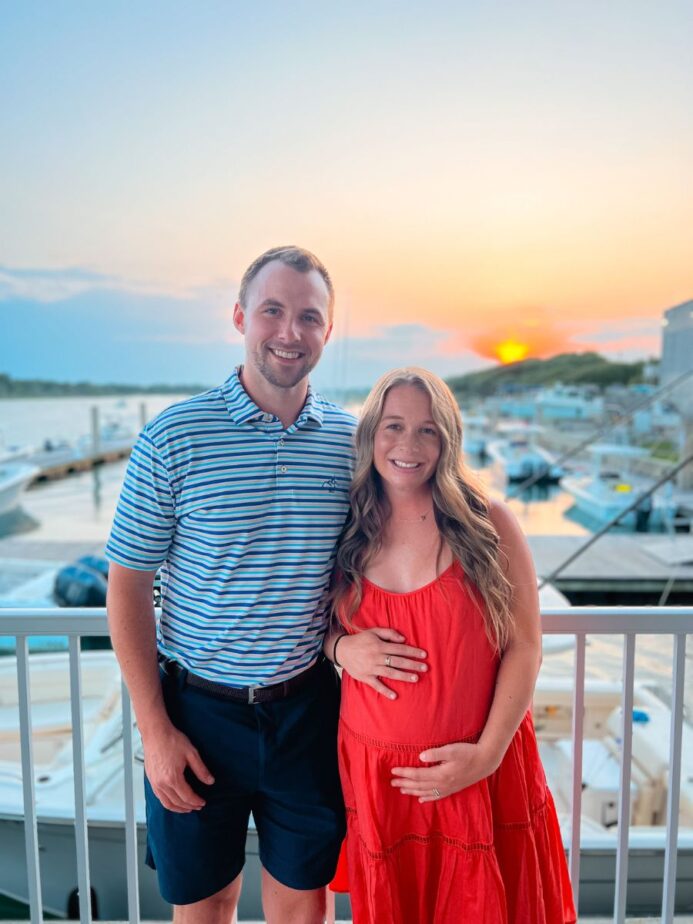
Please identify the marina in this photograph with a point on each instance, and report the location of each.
(53, 536)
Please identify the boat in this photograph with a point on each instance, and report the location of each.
(104, 787)
(550, 597)
(553, 717)
(475, 433)
(15, 477)
(611, 487)
(113, 435)
(516, 455)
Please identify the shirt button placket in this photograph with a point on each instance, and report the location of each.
(280, 445)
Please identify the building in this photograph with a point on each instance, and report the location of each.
(677, 359)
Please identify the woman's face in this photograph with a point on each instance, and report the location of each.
(407, 441)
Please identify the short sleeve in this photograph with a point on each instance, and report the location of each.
(144, 521)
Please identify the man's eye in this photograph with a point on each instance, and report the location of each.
(310, 318)
(271, 310)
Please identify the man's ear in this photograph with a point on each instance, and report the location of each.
(239, 318)
(329, 332)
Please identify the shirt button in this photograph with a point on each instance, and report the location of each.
(283, 469)
(281, 442)
(267, 418)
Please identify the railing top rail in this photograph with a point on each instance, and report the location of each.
(592, 620)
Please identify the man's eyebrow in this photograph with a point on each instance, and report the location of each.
(273, 301)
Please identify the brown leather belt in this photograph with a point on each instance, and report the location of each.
(249, 695)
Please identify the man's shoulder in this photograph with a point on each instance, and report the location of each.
(185, 414)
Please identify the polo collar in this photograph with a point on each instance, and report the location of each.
(243, 409)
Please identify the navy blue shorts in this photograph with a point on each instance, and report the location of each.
(277, 760)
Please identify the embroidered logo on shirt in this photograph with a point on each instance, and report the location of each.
(330, 484)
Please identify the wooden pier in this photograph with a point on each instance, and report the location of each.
(59, 463)
(623, 568)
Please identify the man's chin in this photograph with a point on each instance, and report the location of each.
(285, 377)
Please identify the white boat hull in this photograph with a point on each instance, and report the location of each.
(602, 504)
(14, 478)
(105, 803)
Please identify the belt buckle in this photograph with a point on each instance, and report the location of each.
(252, 700)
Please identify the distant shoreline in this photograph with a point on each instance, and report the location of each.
(39, 388)
(567, 368)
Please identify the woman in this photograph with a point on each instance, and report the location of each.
(449, 816)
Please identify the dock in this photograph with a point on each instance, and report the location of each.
(59, 463)
(625, 568)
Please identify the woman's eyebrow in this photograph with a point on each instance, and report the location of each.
(399, 417)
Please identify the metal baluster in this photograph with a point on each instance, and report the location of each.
(331, 904)
(81, 837)
(624, 795)
(30, 828)
(673, 796)
(130, 819)
(576, 800)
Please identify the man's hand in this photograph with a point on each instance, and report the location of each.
(166, 756)
(374, 653)
(456, 766)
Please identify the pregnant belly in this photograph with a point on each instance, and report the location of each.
(425, 714)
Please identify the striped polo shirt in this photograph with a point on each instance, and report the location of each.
(242, 516)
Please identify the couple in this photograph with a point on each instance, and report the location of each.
(241, 496)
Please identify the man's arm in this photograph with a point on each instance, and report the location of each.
(167, 752)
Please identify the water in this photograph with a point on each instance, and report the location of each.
(31, 421)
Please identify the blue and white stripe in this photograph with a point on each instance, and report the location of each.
(242, 516)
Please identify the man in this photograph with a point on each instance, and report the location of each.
(239, 495)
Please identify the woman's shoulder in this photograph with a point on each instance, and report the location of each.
(505, 523)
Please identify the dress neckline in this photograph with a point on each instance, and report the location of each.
(417, 590)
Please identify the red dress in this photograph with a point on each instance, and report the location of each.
(489, 854)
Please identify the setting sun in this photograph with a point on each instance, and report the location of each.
(511, 351)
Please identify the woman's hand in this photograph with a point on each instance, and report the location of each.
(457, 766)
(372, 654)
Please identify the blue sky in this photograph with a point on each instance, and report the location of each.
(468, 172)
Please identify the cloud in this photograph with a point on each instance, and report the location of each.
(357, 362)
(49, 285)
(628, 339)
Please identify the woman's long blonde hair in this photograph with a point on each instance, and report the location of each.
(460, 505)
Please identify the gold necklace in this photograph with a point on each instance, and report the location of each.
(420, 519)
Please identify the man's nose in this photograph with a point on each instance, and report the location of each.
(289, 329)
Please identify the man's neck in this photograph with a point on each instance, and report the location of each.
(284, 403)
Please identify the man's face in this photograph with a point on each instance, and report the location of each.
(285, 323)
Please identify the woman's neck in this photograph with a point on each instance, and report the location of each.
(410, 507)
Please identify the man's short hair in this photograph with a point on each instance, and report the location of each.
(303, 261)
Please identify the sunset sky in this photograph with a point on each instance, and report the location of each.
(470, 173)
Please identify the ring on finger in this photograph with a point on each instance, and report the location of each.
(436, 793)
(388, 661)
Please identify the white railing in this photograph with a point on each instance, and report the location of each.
(579, 621)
